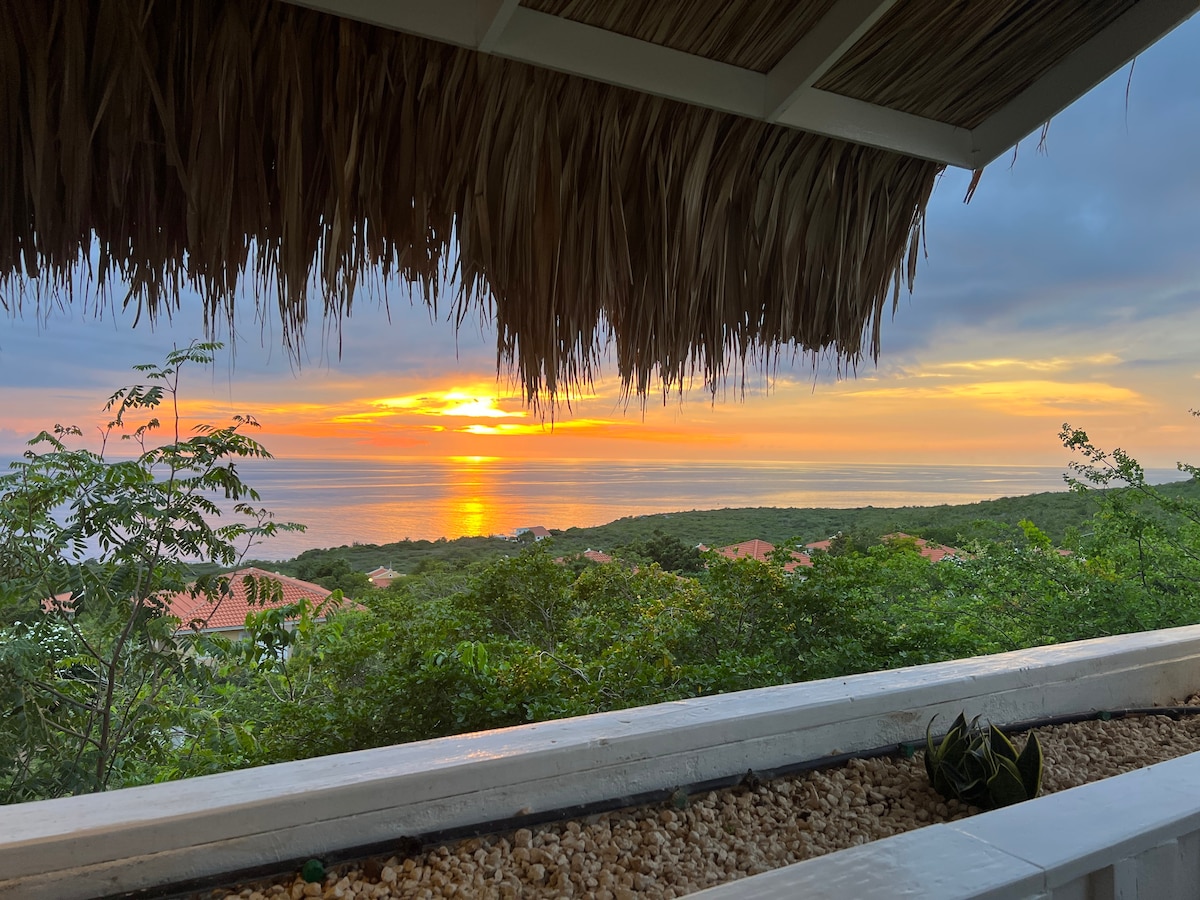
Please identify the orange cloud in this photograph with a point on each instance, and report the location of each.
(975, 408)
(1016, 397)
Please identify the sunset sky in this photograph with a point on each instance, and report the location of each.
(1067, 290)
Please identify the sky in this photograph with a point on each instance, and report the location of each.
(1066, 291)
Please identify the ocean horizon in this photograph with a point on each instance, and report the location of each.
(350, 501)
(372, 501)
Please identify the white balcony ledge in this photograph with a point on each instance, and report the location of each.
(150, 837)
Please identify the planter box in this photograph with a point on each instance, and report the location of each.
(149, 837)
(1133, 836)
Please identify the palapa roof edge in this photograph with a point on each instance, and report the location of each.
(251, 149)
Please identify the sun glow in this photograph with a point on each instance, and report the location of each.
(477, 408)
(978, 407)
(464, 403)
(502, 428)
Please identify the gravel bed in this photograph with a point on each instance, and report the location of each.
(663, 851)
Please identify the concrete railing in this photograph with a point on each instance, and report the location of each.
(270, 817)
(1132, 837)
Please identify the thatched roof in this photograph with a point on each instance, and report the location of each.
(257, 147)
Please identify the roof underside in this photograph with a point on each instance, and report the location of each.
(690, 183)
(947, 80)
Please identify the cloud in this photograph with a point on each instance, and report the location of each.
(1057, 364)
(1104, 221)
(1019, 397)
(1068, 287)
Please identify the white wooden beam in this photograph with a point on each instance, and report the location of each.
(1078, 73)
(816, 52)
(785, 95)
(836, 115)
(579, 49)
(493, 18)
(449, 21)
(594, 53)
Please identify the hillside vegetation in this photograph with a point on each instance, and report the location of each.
(1063, 515)
(101, 688)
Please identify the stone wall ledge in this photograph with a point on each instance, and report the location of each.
(148, 837)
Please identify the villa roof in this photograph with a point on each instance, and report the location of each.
(698, 181)
(595, 556)
(754, 549)
(928, 549)
(229, 612)
(382, 576)
(761, 551)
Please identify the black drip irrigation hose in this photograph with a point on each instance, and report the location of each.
(411, 845)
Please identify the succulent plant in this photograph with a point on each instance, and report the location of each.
(981, 765)
(313, 871)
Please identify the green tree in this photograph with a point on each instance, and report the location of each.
(667, 551)
(1144, 534)
(334, 573)
(525, 597)
(98, 691)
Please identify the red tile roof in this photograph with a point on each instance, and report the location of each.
(761, 550)
(229, 612)
(382, 576)
(594, 555)
(59, 603)
(932, 552)
(755, 549)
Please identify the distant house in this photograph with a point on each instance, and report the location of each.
(539, 532)
(761, 550)
(383, 576)
(63, 604)
(931, 551)
(591, 555)
(226, 615)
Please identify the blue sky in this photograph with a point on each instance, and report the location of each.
(1067, 290)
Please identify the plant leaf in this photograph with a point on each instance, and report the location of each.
(931, 754)
(1030, 764)
(1001, 744)
(1005, 788)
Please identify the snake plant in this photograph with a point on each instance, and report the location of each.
(981, 766)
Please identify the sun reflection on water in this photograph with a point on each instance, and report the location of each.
(377, 502)
(474, 506)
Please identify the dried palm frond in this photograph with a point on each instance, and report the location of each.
(250, 146)
(959, 62)
(752, 34)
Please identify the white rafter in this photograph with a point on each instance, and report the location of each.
(493, 17)
(816, 52)
(784, 95)
(844, 117)
(579, 49)
(1078, 73)
(450, 21)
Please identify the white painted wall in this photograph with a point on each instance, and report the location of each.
(1133, 837)
(149, 836)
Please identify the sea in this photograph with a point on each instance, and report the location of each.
(371, 501)
(347, 501)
